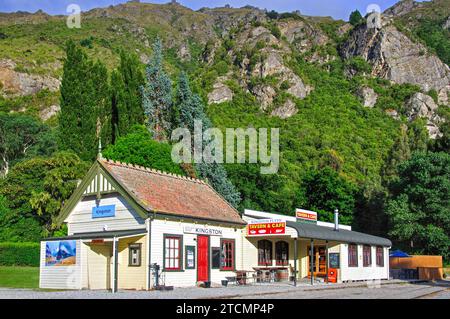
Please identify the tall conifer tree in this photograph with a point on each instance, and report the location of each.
(126, 99)
(191, 108)
(84, 100)
(157, 95)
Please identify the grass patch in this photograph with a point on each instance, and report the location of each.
(19, 277)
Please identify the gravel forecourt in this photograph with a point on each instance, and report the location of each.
(386, 290)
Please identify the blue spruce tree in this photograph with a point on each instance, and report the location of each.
(157, 95)
(189, 109)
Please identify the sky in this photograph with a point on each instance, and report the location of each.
(338, 9)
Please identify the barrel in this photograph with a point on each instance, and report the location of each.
(282, 275)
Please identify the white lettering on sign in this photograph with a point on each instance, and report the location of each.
(306, 215)
(265, 227)
(202, 230)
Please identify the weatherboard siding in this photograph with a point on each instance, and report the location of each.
(132, 277)
(61, 277)
(188, 277)
(373, 272)
(80, 220)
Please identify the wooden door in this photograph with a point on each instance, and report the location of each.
(99, 259)
(203, 258)
(319, 261)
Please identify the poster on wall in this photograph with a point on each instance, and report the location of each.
(334, 260)
(190, 257)
(60, 253)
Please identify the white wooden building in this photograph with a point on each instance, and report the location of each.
(123, 220)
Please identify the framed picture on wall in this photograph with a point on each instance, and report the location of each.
(334, 260)
(190, 257)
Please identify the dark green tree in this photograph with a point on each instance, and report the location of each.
(325, 190)
(22, 136)
(84, 116)
(419, 208)
(399, 152)
(157, 95)
(191, 109)
(126, 99)
(35, 191)
(356, 18)
(139, 148)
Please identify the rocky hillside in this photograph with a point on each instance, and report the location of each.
(325, 83)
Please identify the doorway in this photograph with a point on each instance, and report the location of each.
(319, 261)
(99, 266)
(203, 258)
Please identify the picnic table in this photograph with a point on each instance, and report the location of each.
(242, 277)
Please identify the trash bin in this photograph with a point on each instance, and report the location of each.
(225, 283)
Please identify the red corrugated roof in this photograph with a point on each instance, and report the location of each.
(172, 194)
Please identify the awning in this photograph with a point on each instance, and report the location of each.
(101, 235)
(313, 231)
(398, 254)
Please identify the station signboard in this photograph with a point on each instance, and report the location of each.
(266, 227)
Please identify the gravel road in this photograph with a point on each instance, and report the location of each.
(387, 290)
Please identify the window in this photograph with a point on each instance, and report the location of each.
(215, 257)
(134, 257)
(227, 254)
(281, 253)
(264, 253)
(173, 252)
(380, 256)
(352, 255)
(367, 256)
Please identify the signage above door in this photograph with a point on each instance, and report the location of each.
(266, 227)
(306, 216)
(104, 211)
(199, 230)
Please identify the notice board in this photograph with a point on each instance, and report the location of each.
(334, 260)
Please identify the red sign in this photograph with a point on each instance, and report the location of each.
(97, 241)
(306, 215)
(266, 227)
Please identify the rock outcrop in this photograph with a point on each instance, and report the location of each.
(184, 53)
(395, 57)
(15, 83)
(402, 7)
(274, 65)
(49, 112)
(221, 92)
(368, 96)
(264, 94)
(392, 113)
(423, 106)
(285, 111)
(447, 24)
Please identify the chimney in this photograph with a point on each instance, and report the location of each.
(336, 220)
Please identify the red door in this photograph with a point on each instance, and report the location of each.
(202, 258)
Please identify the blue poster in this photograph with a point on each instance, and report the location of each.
(61, 253)
(104, 211)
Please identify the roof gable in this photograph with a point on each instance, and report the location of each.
(149, 190)
(171, 194)
(97, 182)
